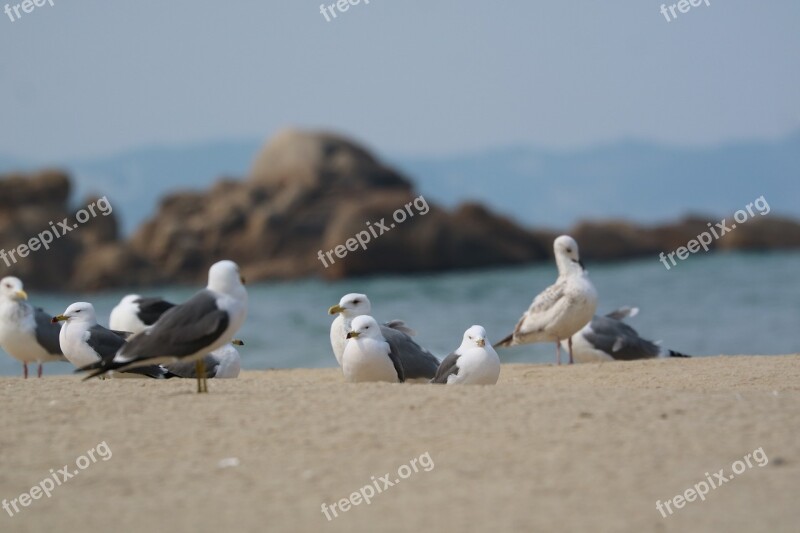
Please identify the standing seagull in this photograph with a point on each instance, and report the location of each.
(26, 333)
(189, 331)
(367, 356)
(85, 342)
(474, 362)
(608, 338)
(418, 363)
(563, 308)
(135, 314)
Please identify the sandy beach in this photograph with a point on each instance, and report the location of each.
(582, 448)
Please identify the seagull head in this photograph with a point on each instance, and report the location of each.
(474, 337)
(225, 277)
(11, 288)
(567, 256)
(352, 305)
(77, 312)
(365, 327)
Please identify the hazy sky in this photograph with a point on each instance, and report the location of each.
(417, 77)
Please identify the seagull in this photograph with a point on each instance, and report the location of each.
(418, 363)
(367, 356)
(563, 308)
(85, 342)
(474, 362)
(135, 313)
(222, 363)
(189, 331)
(608, 338)
(26, 333)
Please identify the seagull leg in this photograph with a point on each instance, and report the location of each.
(200, 369)
(25, 370)
(558, 353)
(40, 371)
(569, 343)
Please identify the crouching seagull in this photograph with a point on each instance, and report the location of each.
(608, 338)
(26, 333)
(189, 331)
(418, 363)
(473, 363)
(222, 363)
(563, 308)
(367, 356)
(135, 313)
(85, 342)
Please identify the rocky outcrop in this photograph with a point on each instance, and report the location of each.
(32, 211)
(314, 205)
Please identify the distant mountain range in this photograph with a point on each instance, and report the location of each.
(633, 180)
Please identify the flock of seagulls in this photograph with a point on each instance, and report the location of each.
(151, 337)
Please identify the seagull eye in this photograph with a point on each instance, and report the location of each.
(569, 250)
(356, 301)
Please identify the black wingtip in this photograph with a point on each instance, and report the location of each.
(678, 354)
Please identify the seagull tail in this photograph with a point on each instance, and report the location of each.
(506, 342)
(673, 353)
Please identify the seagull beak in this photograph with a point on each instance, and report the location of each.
(335, 310)
(244, 281)
(57, 319)
(353, 335)
(21, 295)
(481, 342)
(237, 342)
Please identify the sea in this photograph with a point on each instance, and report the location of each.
(707, 305)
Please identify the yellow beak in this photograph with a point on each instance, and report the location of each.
(58, 318)
(335, 310)
(244, 281)
(22, 295)
(481, 342)
(353, 335)
(237, 342)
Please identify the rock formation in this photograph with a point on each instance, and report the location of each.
(309, 193)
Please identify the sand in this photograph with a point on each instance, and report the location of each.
(582, 448)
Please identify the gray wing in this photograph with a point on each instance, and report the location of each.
(446, 369)
(399, 325)
(398, 365)
(47, 333)
(417, 362)
(619, 340)
(189, 370)
(182, 331)
(104, 342)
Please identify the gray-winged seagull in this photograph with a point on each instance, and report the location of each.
(473, 363)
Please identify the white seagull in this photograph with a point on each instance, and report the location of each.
(608, 338)
(418, 363)
(85, 342)
(563, 308)
(189, 331)
(26, 333)
(367, 356)
(474, 362)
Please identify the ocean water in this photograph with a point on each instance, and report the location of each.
(713, 304)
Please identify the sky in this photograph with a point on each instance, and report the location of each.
(411, 77)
